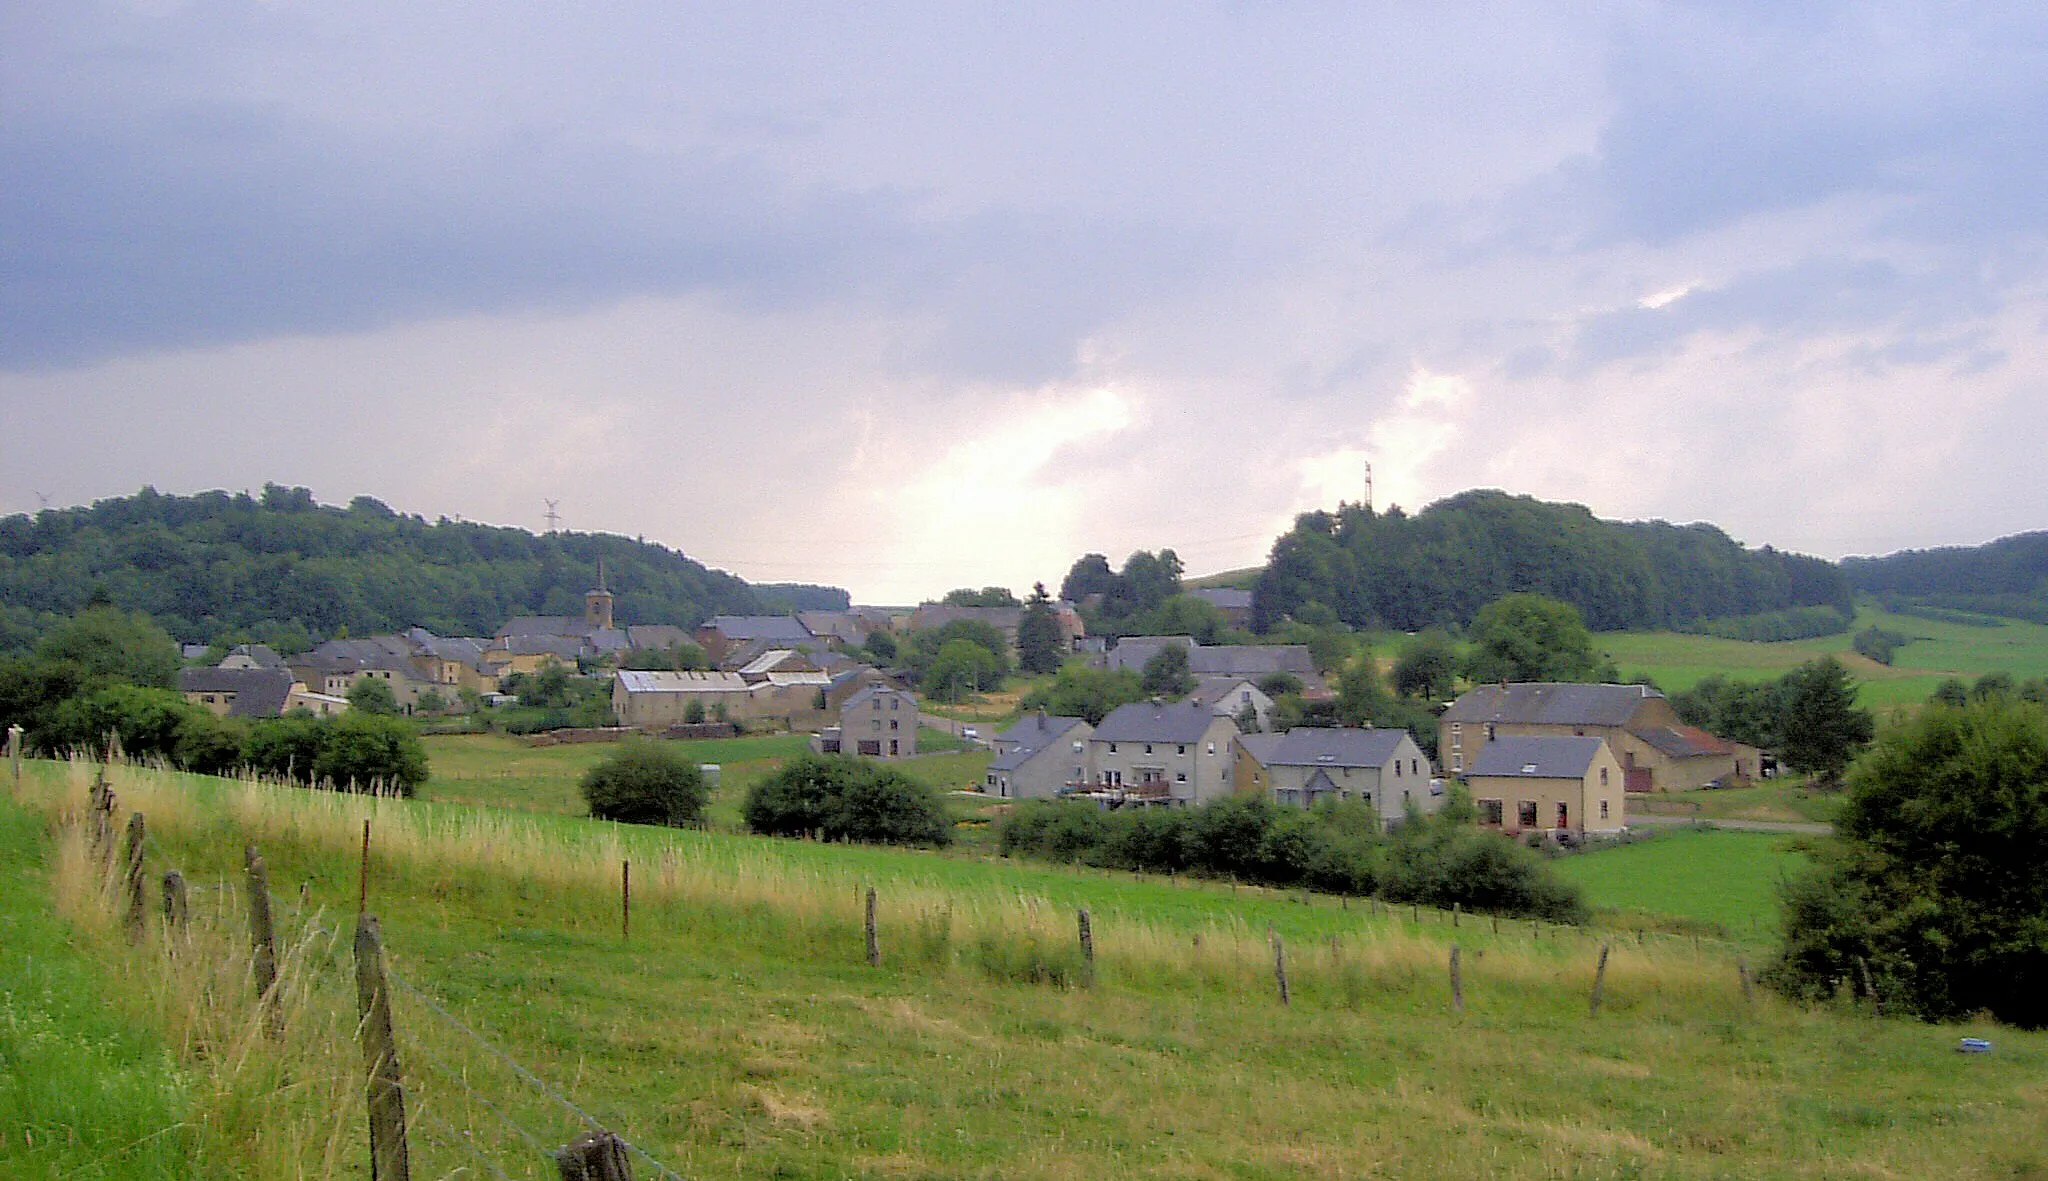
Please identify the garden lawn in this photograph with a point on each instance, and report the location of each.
(1716, 876)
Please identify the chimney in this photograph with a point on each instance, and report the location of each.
(1042, 723)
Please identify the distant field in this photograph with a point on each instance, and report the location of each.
(1678, 662)
(1784, 799)
(1721, 877)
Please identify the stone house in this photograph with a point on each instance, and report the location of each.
(876, 722)
(1153, 752)
(1037, 758)
(238, 692)
(1230, 696)
(1383, 768)
(1560, 785)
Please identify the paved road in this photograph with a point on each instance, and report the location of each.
(1818, 830)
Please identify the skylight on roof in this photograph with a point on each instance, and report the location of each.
(1528, 768)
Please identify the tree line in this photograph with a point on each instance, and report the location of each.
(280, 569)
(1440, 566)
(2005, 577)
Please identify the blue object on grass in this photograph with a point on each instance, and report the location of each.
(1975, 1045)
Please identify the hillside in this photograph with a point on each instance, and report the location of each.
(280, 568)
(2004, 577)
(1441, 565)
(739, 1030)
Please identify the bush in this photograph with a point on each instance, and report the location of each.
(645, 782)
(362, 752)
(838, 798)
(1935, 884)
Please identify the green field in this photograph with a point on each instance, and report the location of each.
(502, 771)
(738, 1032)
(1788, 799)
(1940, 650)
(1724, 878)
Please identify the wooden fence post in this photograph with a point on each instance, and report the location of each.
(132, 916)
(363, 873)
(176, 908)
(1087, 950)
(1280, 967)
(262, 937)
(1599, 982)
(596, 1155)
(1457, 913)
(1869, 989)
(1457, 981)
(14, 733)
(626, 899)
(1742, 974)
(874, 942)
(384, 1089)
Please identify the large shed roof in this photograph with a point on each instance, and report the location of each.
(1551, 703)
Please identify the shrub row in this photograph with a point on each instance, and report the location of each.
(1437, 860)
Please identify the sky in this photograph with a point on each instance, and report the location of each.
(916, 297)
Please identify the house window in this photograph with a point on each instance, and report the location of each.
(1112, 748)
(1489, 812)
(1603, 809)
(1181, 750)
(1563, 816)
(1457, 764)
(895, 702)
(1603, 777)
(1397, 769)
(1525, 813)
(894, 724)
(1212, 748)
(1412, 765)
(892, 748)
(1489, 731)
(1148, 748)
(1180, 776)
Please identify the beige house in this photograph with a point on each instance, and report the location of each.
(1656, 750)
(1230, 697)
(1569, 785)
(1298, 769)
(1156, 753)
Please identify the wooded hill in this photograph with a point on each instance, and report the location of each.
(1442, 564)
(279, 568)
(2004, 577)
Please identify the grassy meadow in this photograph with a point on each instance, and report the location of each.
(1939, 651)
(503, 771)
(1724, 880)
(740, 1032)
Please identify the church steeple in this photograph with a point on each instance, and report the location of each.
(597, 604)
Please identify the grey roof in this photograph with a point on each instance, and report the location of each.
(1143, 721)
(1211, 690)
(468, 650)
(259, 692)
(1545, 757)
(1682, 742)
(1031, 736)
(1037, 728)
(544, 625)
(264, 655)
(656, 635)
(1224, 598)
(1550, 703)
(760, 627)
(876, 689)
(1261, 747)
(1331, 746)
(1251, 660)
(1134, 651)
(381, 652)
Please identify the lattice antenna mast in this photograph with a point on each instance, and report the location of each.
(1368, 485)
(554, 518)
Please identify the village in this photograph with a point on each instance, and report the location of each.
(1552, 762)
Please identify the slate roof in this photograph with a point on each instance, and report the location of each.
(544, 625)
(1211, 690)
(1326, 746)
(1251, 660)
(655, 635)
(259, 692)
(761, 627)
(1682, 742)
(1142, 721)
(867, 691)
(381, 652)
(1537, 757)
(264, 655)
(1028, 738)
(1224, 598)
(1552, 704)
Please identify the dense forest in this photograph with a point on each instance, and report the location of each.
(2004, 577)
(279, 568)
(1441, 565)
